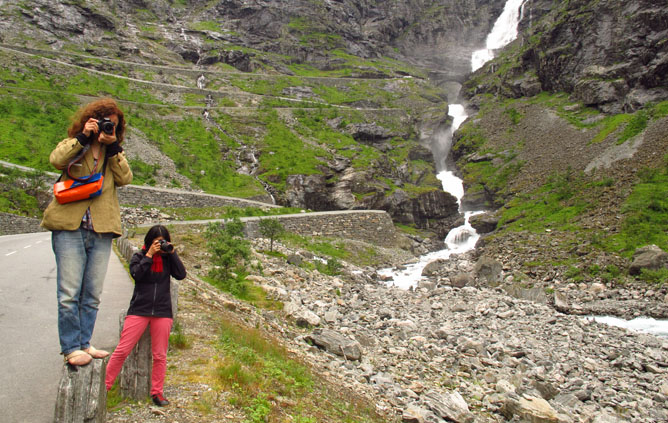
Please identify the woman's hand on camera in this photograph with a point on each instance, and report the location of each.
(90, 127)
(105, 138)
(155, 248)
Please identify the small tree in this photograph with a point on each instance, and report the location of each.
(272, 229)
(229, 250)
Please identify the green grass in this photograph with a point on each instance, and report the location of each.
(224, 212)
(178, 339)
(32, 126)
(262, 379)
(280, 158)
(645, 214)
(143, 173)
(18, 190)
(555, 205)
(609, 125)
(196, 152)
(205, 26)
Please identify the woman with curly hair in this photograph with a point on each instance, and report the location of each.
(82, 231)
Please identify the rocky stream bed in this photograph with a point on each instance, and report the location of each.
(444, 351)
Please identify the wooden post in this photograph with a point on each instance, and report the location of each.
(82, 396)
(135, 377)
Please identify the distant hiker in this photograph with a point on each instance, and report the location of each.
(151, 304)
(82, 230)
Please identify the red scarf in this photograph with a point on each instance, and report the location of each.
(157, 262)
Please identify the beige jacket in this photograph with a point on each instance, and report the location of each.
(104, 210)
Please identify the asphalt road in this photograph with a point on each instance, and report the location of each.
(30, 358)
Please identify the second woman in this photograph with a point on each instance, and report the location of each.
(151, 304)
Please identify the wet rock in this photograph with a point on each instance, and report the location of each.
(484, 223)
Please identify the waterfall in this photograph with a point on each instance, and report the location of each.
(503, 32)
(462, 238)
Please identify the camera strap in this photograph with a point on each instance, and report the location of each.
(76, 159)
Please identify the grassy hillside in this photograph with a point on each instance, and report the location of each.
(163, 106)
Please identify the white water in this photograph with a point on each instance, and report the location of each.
(503, 32)
(460, 239)
(463, 238)
(639, 324)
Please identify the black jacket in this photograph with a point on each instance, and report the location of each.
(151, 296)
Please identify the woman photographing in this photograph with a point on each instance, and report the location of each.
(82, 230)
(151, 304)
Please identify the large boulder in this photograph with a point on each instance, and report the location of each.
(368, 132)
(484, 223)
(336, 343)
(529, 409)
(450, 406)
(649, 257)
(489, 270)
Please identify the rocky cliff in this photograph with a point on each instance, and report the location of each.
(610, 54)
(359, 89)
(425, 41)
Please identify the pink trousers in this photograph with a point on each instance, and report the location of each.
(133, 328)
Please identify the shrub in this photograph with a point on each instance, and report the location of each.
(178, 339)
(229, 250)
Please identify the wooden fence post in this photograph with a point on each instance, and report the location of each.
(135, 377)
(82, 396)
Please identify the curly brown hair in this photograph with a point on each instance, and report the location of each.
(97, 109)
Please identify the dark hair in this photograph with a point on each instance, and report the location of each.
(155, 232)
(98, 109)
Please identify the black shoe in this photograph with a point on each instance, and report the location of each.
(159, 400)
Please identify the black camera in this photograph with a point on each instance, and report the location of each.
(166, 246)
(106, 126)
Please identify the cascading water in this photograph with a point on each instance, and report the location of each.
(463, 238)
(503, 32)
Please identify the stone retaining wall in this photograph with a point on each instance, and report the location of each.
(373, 226)
(11, 224)
(364, 225)
(163, 197)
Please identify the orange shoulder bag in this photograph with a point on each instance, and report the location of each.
(77, 189)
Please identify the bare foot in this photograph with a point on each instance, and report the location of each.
(95, 353)
(78, 358)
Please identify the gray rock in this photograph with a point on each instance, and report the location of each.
(489, 270)
(414, 414)
(484, 223)
(461, 280)
(649, 257)
(450, 406)
(336, 343)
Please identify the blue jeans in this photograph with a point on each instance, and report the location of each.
(81, 257)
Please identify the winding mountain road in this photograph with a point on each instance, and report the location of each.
(31, 364)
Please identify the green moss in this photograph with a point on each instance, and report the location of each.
(205, 26)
